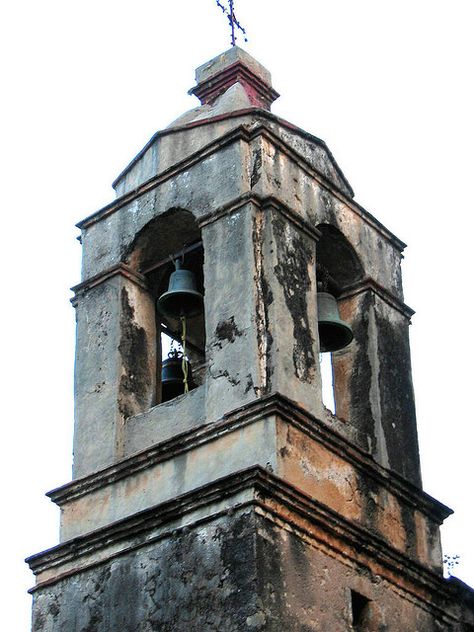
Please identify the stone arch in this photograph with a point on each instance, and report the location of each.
(337, 256)
(163, 236)
(338, 267)
(172, 235)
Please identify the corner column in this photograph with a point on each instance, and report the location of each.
(372, 379)
(265, 340)
(115, 370)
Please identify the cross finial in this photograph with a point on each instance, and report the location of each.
(233, 22)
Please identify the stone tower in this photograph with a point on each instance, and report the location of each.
(243, 504)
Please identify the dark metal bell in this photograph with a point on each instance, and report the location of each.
(172, 378)
(182, 297)
(334, 333)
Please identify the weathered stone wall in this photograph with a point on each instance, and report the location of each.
(255, 278)
(115, 368)
(304, 589)
(275, 434)
(198, 579)
(259, 201)
(258, 567)
(373, 384)
(232, 352)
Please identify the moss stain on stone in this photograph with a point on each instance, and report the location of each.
(135, 382)
(292, 271)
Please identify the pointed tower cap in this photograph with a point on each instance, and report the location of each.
(234, 66)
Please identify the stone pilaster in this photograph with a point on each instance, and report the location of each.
(372, 379)
(115, 375)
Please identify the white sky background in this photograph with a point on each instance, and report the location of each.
(387, 84)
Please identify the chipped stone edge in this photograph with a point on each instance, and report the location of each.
(368, 283)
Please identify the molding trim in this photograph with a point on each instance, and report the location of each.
(273, 204)
(370, 284)
(234, 135)
(274, 404)
(139, 279)
(271, 498)
(241, 132)
(259, 92)
(121, 269)
(263, 203)
(256, 112)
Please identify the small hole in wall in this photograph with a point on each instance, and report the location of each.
(327, 381)
(360, 611)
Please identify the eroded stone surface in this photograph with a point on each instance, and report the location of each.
(341, 537)
(199, 579)
(241, 571)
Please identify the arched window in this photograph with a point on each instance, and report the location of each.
(167, 238)
(338, 267)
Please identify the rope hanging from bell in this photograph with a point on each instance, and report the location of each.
(185, 364)
(181, 301)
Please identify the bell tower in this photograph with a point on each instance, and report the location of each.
(212, 490)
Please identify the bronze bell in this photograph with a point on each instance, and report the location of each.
(182, 297)
(334, 333)
(172, 378)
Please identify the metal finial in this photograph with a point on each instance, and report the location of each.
(233, 22)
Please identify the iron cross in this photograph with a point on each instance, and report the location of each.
(233, 22)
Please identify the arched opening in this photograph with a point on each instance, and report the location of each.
(167, 238)
(338, 259)
(337, 268)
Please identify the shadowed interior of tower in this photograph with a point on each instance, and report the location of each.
(173, 237)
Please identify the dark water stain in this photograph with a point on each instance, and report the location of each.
(292, 272)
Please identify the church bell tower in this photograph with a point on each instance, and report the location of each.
(212, 490)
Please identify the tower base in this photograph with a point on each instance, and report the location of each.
(247, 552)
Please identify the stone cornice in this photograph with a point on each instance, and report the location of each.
(120, 269)
(273, 499)
(143, 520)
(274, 404)
(259, 92)
(241, 132)
(370, 284)
(264, 203)
(234, 135)
(257, 112)
(302, 513)
(272, 203)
